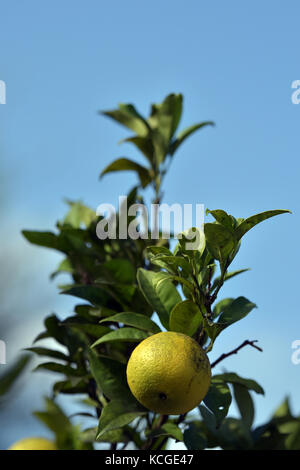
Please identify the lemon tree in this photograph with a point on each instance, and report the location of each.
(153, 310)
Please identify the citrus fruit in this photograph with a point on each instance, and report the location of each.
(33, 443)
(169, 373)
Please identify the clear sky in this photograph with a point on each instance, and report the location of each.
(235, 63)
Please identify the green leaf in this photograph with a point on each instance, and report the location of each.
(115, 436)
(8, 378)
(293, 439)
(172, 429)
(124, 164)
(173, 264)
(220, 306)
(128, 116)
(117, 414)
(46, 239)
(54, 418)
(41, 336)
(161, 298)
(134, 319)
(250, 222)
(60, 369)
(88, 311)
(183, 135)
(91, 329)
(195, 436)
(68, 437)
(185, 318)
(166, 116)
(167, 429)
(144, 144)
(192, 242)
(95, 295)
(218, 399)
(235, 311)
(222, 218)
(284, 410)
(231, 435)
(232, 378)
(74, 385)
(79, 215)
(110, 376)
(122, 334)
(64, 335)
(245, 404)
(153, 251)
(122, 270)
(64, 266)
(220, 241)
(49, 353)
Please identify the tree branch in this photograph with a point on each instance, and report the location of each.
(236, 350)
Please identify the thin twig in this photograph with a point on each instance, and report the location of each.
(236, 350)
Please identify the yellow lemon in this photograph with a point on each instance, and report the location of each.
(33, 443)
(169, 373)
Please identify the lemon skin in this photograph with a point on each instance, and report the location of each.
(169, 373)
(33, 443)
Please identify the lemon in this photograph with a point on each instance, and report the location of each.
(33, 443)
(169, 373)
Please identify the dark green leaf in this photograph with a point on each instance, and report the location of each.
(74, 385)
(128, 116)
(161, 298)
(96, 331)
(96, 295)
(167, 429)
(60, 369)
(110, 376)
(144, 144)
(166, 116)
(8, 378)
(122, 334)
(186, 133)
(122, 270)
(222, 218)
(220, 241)
(249, 223)
(218, 400)
(134, 319)
(192, 242)
(49, 353)
(47, 240)
(220, 306)
(117, 414)
(235, 311)
(245, 404)
(232, 378)
(194, 436)
(124, 164)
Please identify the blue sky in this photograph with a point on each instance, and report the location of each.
(235, 63)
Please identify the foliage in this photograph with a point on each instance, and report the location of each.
(121, 284)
